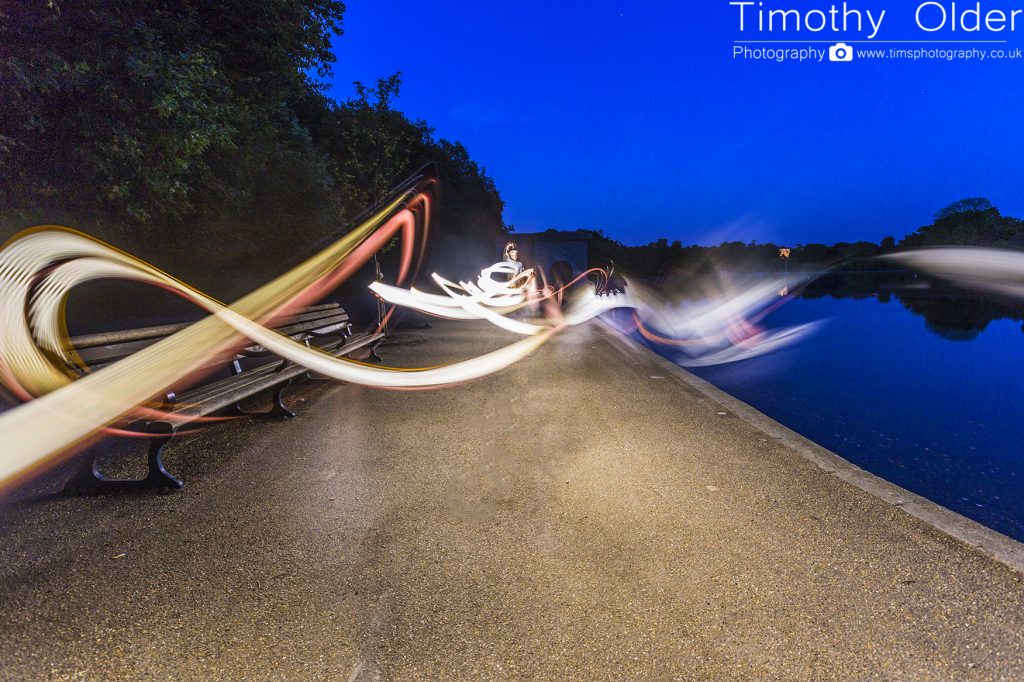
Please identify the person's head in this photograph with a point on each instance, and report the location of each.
(511, 251)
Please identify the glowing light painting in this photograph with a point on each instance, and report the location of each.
(39, 366)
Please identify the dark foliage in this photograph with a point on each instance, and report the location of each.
(660, 259)
(195, 133)
(969, 222)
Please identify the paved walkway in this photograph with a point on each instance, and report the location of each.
(585, 514)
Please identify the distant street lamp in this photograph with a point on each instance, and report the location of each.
(784, 255)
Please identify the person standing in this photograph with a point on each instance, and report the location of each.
(512, 256)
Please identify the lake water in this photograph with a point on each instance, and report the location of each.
(923, 388)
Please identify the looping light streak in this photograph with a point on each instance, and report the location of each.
(68, 404)
(37, 270)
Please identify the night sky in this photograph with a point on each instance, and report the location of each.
(634, 118)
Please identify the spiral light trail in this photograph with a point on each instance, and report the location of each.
(64, 407)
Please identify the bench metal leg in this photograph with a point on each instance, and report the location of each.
(280, 410)
(374, 357)
(158, 476)
(236, 410)
(368, 353)
(89, 480)
(85, 479)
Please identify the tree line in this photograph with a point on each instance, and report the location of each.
(200, 135)
(972, 221)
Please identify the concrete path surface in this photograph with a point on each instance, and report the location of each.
(585, 514)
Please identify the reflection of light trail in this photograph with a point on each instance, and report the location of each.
(995, 270)
(717, 329)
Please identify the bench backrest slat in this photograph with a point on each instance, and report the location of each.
(304, 315)
(103, 348)
(126, 335)
(312, 324)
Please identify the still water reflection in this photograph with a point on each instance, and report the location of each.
(919, 384)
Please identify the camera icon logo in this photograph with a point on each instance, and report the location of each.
(840, 52)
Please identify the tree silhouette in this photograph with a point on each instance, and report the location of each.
(967, 205)
(973, 221)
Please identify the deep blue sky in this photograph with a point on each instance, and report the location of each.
(634, 118)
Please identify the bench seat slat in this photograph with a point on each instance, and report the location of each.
(330, 330)
(227, 392)
(305, 316)
(257, 350)
(220, 394)
(202, 391)
(290, 329)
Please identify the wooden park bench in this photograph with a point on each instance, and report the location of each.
(251, 370)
